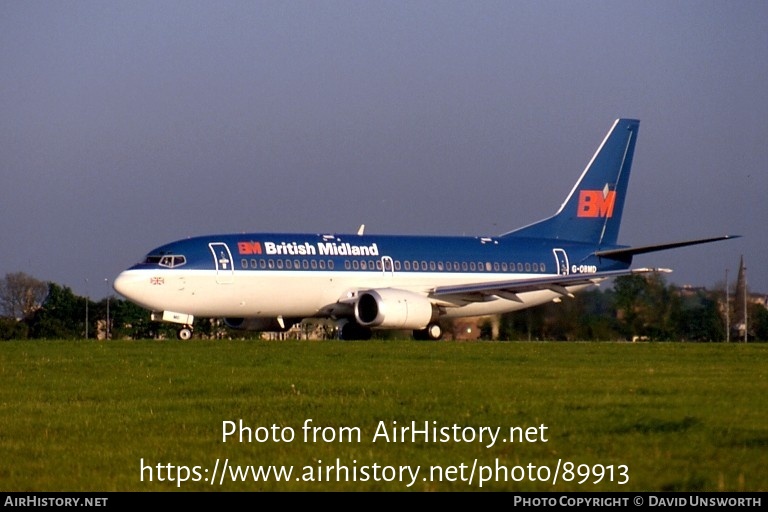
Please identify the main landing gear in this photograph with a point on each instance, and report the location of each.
(184, 333)
(353, 331)
(432, 332)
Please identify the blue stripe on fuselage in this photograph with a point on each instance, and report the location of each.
(282, 251)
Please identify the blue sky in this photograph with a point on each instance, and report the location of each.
(125, 125)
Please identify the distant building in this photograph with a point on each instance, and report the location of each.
(740, 320)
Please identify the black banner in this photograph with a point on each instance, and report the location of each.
(635, 500)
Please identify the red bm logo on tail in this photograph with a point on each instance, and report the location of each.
(596, 203)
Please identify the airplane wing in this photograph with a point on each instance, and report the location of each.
(459, 295)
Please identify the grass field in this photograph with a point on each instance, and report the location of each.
(151, 416)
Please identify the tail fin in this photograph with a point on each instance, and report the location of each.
(592, 211)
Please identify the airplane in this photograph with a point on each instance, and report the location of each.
(271, 281)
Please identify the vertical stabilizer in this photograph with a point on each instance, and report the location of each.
(592, 211)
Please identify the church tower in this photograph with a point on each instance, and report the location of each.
(740, 303)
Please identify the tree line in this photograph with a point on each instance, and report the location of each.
(636, 307)
(33, 309)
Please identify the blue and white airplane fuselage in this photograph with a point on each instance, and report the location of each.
(269, 281)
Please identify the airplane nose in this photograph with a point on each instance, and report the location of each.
(133, 285)
(123, 284)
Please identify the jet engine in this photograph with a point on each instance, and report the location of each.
(394, 309)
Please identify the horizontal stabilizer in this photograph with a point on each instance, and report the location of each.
(625, 254)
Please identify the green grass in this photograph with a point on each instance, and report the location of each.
(81, 416)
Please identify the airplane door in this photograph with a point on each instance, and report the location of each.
(561, 260)
(222, 261)
(387, 266)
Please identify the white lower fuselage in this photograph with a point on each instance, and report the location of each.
(265, 293)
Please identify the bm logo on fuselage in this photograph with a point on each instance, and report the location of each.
(249, 247)
(596, 203)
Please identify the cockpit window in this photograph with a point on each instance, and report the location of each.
(166, 260)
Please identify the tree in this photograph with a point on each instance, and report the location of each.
(661, 305)
(61, 316)
(520, 325)
(759, 323)
(628, 295)
(21, 295)
(127, 320)
(699, 320)
(12, 329)
(597, 316)
(646, 306)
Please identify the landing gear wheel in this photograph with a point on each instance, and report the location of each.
(432, 332)
(185, 333)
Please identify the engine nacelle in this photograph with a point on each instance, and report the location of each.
(261, 324)
(390, 308)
